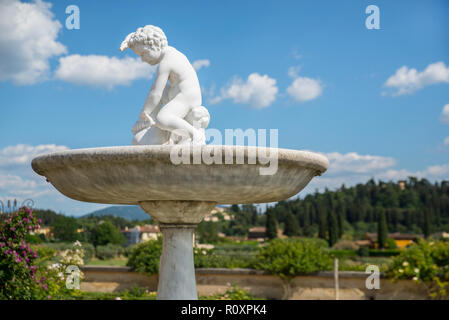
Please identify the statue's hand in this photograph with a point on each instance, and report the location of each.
(145, 121)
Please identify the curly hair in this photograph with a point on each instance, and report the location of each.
(149, 36)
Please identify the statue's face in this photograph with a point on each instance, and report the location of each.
(147, 55)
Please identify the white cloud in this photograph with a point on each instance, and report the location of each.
(27, 41)
(445, 114)
(303, 89)
(102, 71)
(294, 71)
(354, 163)
(198, 64)
(446, 141)
(19, 181)
(259, 91)
(407, 80)
(22, 154)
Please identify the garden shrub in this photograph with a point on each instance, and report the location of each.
(144, 257)
(89, 252)
(291, 257)
(212, 259)
(426, 263)
(343, 253)
(107, 252)
(234, 292)
(384, 252)
(18, 276)
(345, 245)
(363, 252)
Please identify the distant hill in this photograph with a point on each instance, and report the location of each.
(126, 212)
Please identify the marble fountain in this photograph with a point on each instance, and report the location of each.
(176, 194)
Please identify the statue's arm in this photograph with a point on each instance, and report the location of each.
(157, 90)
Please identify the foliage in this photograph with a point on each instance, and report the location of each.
(291, 227)
(426, 263)
(89, 252)
(207, 232)
(345, 245)
(271, 225)
(32, 273)
(234, 292)
(391, 244)
(216, 258)
(333, 228)
(343, 253)
(18, 278)
(135, 293)
(290, 257)
(144, 257)
(382, 231)
(363, 252)
(415, 207)
(108, 251)
(105, 233)
(384, 252)
(65, 228)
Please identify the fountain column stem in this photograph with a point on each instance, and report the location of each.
(177, 272)
(177, 220)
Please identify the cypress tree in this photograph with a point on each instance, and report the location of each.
(321, 225)
(382, 229)
(333, 228)
(271, 226)
(291, 226)
(427, 223)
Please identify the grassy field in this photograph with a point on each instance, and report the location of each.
(119, 262)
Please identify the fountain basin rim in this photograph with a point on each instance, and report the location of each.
(75, 157)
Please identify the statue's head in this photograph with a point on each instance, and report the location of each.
(148, 42)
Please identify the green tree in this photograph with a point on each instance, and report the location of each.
(333, 228)
(427, 223)
(382, 229)
(291, 226)
(271, 226)
(105, 233)
(65, 228)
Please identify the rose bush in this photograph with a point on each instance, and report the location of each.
(32, 272)
(426, 262)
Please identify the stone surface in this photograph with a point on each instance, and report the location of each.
(132, 174)
(177, 272)
(183, 119)
(188, 212)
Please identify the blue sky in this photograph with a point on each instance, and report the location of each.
(319, 76)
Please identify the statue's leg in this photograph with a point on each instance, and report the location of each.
(171, 117)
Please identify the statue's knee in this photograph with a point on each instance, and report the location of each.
(163, 119)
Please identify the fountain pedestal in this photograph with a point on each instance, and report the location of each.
(177, 221)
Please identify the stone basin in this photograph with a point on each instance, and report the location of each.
(132, 174)
(178, 196)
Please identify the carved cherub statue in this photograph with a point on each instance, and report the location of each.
(170, 110)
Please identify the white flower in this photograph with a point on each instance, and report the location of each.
(118, 298)
(400, 270)
(415, 278)
(416, 270)
(405, 263)
(77, 244)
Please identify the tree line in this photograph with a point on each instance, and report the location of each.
(410, 206)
